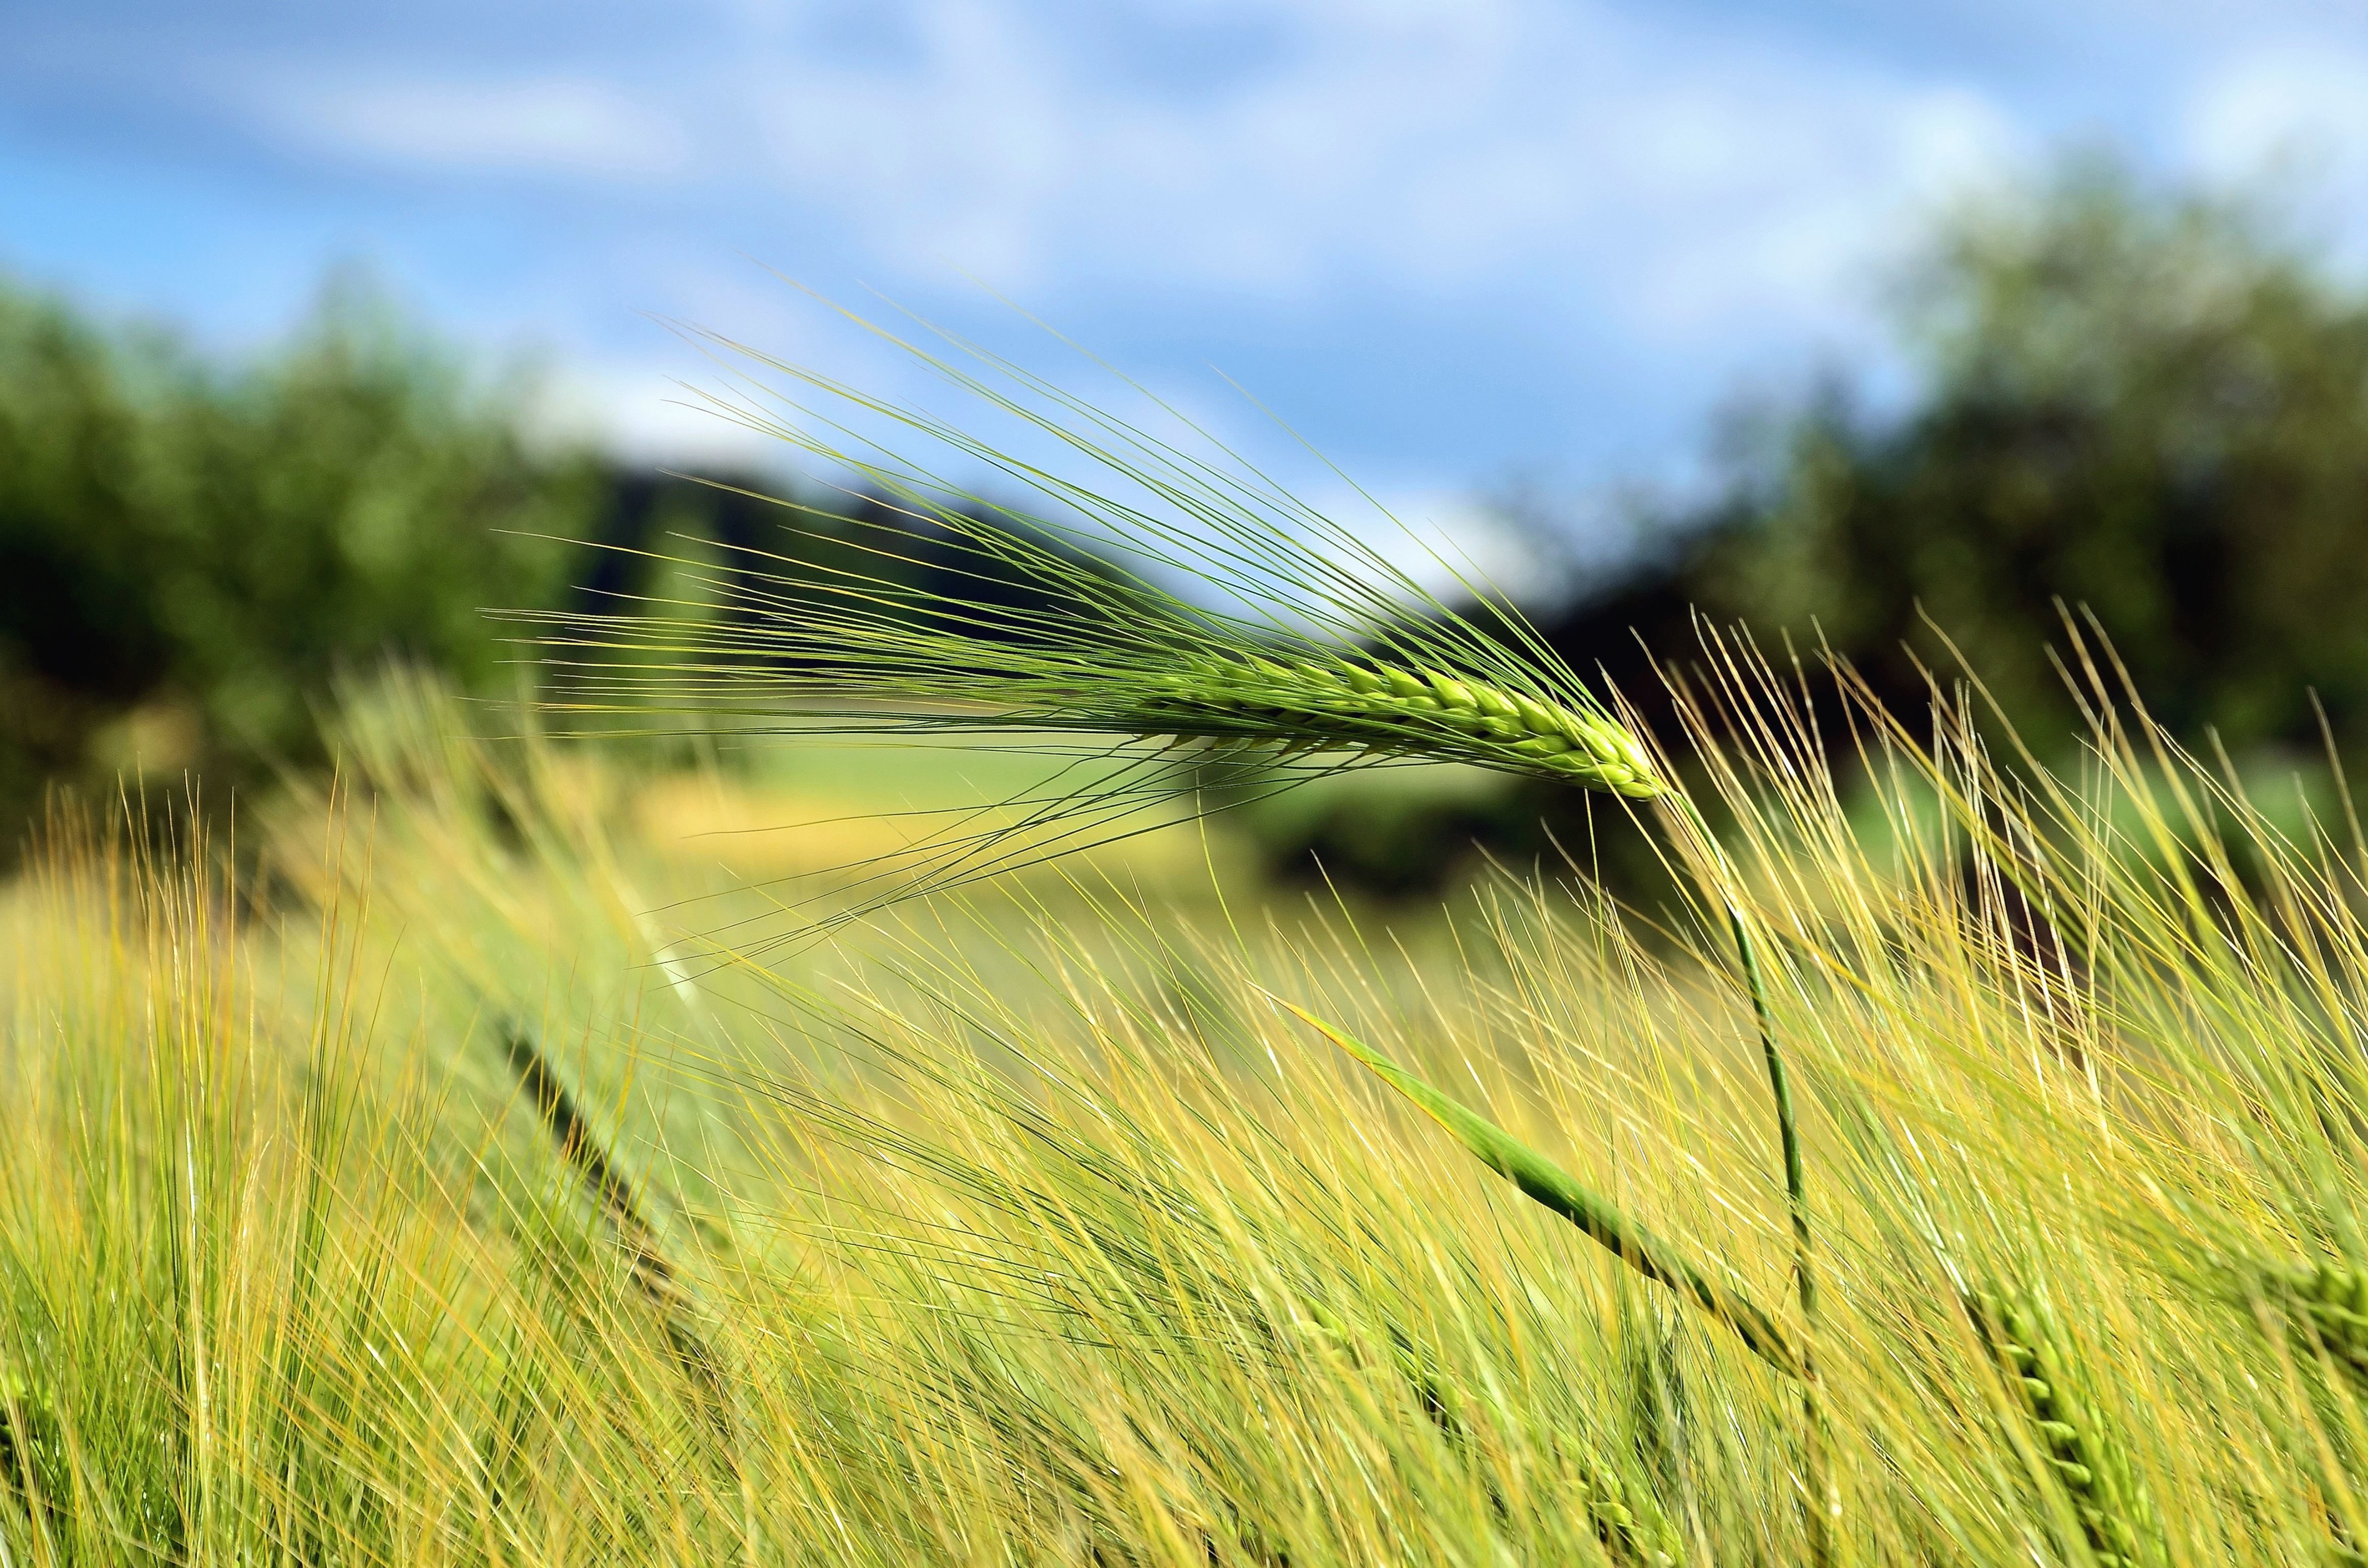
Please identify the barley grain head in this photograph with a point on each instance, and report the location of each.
(2069, 1431)
(1352, 704)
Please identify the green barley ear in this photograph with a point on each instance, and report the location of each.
(1553, 1188)
(2116, 1518)
(1224, 684)
(1354, 704)
(2326, 1309)
(1150, 700)
(1156, 599)
(613, 1193)
(1631, 1528)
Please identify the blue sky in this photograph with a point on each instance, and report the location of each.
(1459, 245)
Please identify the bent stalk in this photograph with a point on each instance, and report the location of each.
(1822, 1506)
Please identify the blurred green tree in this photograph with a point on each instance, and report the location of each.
(187, 554)
(2153, 407)
(190, 554)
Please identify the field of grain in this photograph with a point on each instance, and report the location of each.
(455, 1168)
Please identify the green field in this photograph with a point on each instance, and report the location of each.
(474, 1164)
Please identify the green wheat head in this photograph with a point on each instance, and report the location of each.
(1414, 713)
(1551, 1186)
(2071, 1434)
(2326, 1307)
(859, 659)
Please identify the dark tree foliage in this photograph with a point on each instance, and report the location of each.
(2151, 410)
(190, 554)
(743, 548)
(193, 552)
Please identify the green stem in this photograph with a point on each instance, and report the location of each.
(1824, 1502)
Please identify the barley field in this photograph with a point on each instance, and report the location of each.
(451, 1166)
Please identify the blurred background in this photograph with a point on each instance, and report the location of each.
(323, 328)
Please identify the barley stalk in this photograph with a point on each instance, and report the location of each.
(2115, 1518)
(1822, 1506)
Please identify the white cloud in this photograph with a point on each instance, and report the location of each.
(1668, 189)
(544, 125)
(1685, 184)
(1700, 193)
(2295, 121)
(644, 413)
(1431, 148)
(2294, 106)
